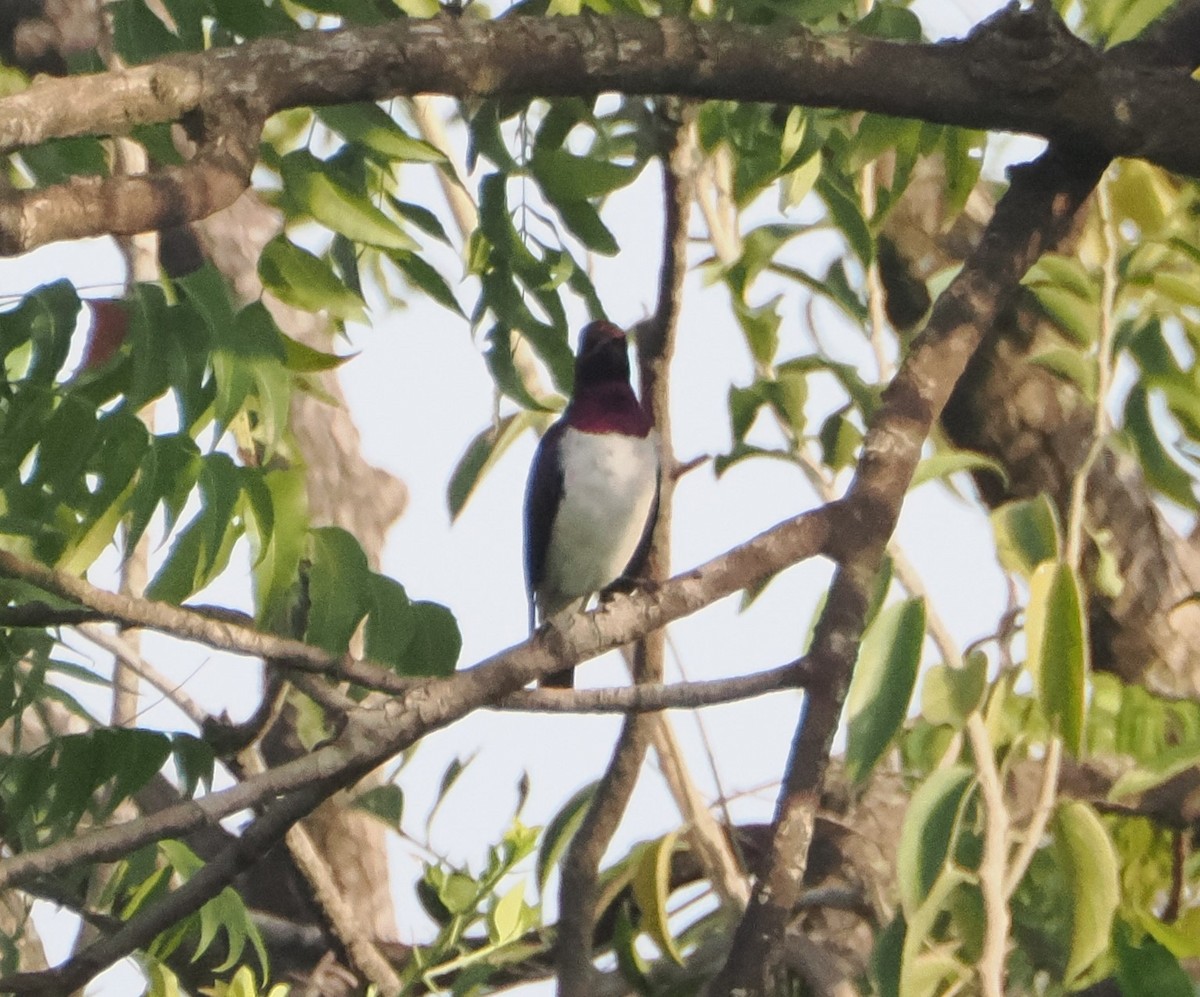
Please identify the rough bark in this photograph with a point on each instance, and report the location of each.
(1038, 426)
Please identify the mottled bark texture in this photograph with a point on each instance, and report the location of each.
(1039, 427)
(1021, 70)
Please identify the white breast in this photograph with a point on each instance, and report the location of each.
(609, 482)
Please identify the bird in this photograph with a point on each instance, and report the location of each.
(592, 497)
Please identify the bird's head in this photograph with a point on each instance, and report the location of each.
(603, 354)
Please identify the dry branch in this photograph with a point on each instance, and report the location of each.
(1019, 71)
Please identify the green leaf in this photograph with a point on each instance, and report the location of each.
(840, 439)
(1057, 651)
(887, 20)
(1067, 295)
(138, 34)
(1026, 534)
(559, 832)
(436, 643)
(422, 274)
(882, 685)
(1181, 939)
(1089, 863)
(928, 833)
(339, 588)
(1147, 969)
(484, 451)
(506, 919)
(302, 359)
(318, 192)
(297, 277)
(846, 212)
(651, 889)
(385, 802)
(1157, 464)
(132, 756)
(370, 125)
(564, 176)
(586, 225)
(277, 548)
(499, 358)
(948, 462)
(949, 695)
(452, 774)
(1070, 365)
(390, 624)
(760, 325)
(202, 550)
(251, 19)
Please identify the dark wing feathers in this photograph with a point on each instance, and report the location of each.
(542, 496)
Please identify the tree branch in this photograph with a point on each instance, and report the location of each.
(1019, 71)
(145, 925)
(1032, 215)
(371, 736)
(651, 698)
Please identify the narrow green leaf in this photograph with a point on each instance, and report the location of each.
(928, 834)
(422, 274)
(299, 278)
(484, 451)
(883, 682)
(1067, 295)
(948, 462)
(1057, 652)
(846, 213)
(651, 889)
(560, 830)
(338, 207)
(1072, 366)
(586, 225)
(302, 359)
(1089, 863)
(564, 176)
(370, 125)
(1157, 464)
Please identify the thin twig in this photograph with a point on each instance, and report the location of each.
(653, 697)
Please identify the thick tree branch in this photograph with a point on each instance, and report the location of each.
(1019, 71)
(1034, 213)
(371, 736)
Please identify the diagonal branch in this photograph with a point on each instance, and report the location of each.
(1031, 217)
(369, 737)
(144, 926)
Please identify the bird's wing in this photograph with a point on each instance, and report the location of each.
(542, 497)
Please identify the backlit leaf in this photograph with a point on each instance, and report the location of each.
(1057, 651)
(883, 682)
(1089, 862)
